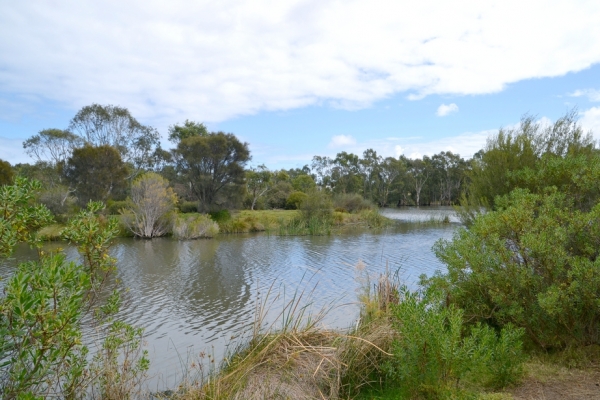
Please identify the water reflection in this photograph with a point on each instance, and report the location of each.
(193, 296)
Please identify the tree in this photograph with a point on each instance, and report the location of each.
(189, 129)
(53, 145)
(419, 173)
(97, 173)
(258, 182)
(212, 164)
(114, 126)
(389, 169)
(6, 173)
(151, 202)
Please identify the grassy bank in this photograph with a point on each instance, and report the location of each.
(292, 222)
(273, 222)
(403, 347)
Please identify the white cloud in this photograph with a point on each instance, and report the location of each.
(590, 121)
(591, 94)
(339, 141)
(444, 109)
(211, 61)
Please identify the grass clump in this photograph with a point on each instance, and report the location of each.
(194, 227)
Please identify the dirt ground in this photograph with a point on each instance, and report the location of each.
(565, 384)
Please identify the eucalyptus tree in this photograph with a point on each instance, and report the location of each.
(52, 145)
(114, 126)
(390, 169)
(96, 173)
(258, 182)
(212, 165)
(419, 172)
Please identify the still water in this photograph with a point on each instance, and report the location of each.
(201, 295)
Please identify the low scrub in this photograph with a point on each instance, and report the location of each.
(194, 227)
(351, 202)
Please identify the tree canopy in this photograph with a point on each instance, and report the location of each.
(212, 164)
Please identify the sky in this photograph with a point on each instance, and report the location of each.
(295, 79)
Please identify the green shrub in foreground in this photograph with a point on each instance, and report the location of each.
(433, 357)
(533, 263)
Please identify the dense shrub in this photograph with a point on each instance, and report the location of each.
(432, 354)
(194, 227)
(295, 200)
(220, 216)
(114, 207)
(533, 263)
(316, 206)
(188, 207)
(351, 202)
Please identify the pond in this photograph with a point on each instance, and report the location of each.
(201, 295)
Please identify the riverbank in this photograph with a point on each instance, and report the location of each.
(273, 222)
(302, 360)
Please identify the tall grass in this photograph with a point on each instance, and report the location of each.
(193, 226)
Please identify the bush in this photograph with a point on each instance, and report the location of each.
(351, 202)
(431, 354)
(533, 263)
(194, 227)
(220, 216)
(188, 207)
(295, 200)
(316, 206)
(114, 207)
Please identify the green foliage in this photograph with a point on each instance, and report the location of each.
(532, 156)
(97, 173)
(351, 202)
(53, 145)
(194, 227)
(317, 206)
(220, 216)
(6, 173)
(40, 328)
(212, 165)
(295, 200)
(114, 207)
(188, 206)
(432, 355)
(304, 183)
(114, 126)
(19, 216)
(533, 263)
(46, 301)
(189, 129)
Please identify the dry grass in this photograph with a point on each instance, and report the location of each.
(300, 360)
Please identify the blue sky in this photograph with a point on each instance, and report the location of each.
(302, 78)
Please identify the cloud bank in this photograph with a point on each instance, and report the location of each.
(212, 61)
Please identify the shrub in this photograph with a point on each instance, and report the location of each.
(533, 263)
(188, 207)
(431, 355)
(351, 202)
(220, 216)
(194, 227)
(148, 212)
(114, 207)
(316, 206)
(295, 200)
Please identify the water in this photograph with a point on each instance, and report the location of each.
(200, 296)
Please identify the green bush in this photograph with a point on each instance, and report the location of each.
(432, 356)
(317, 206)
(220, 216)
(533, 263)
(194, 227)
(351, 202)
(188, 207)
(114, 207)
(295, 200)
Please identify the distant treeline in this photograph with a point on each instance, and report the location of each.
(104, 149)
